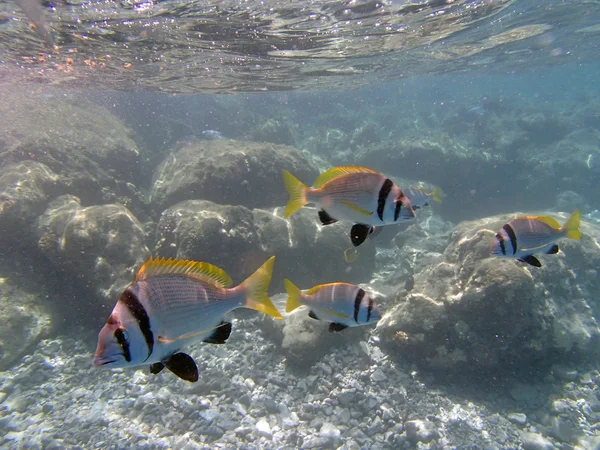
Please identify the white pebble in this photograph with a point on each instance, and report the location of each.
(263, 428)
(330, 431)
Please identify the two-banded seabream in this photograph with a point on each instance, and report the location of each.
(355, 194)
(525, 236)
(172, 304)
(343, 305)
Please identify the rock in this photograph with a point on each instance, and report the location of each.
(518, 418)
(205, 231)
(101, 247)
(26, 320)
(17, 402)
(263, 428)
(564, 373)
(420, 431)
(378, 376)
(229, 173)
(320, 442)
(535, 441)
(25, 189)
(330, 431)
(564, 429)
(523, 314)
(86, 145)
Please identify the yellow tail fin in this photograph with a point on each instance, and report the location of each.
(294, 294)
(571, 227)
(256, 286)
(436, 195)
(297, 191)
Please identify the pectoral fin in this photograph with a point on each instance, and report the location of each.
(325, 218)
(336, 327)
(312, 315)
(156, 368)
(531, 260)
(183, 366)
(359, 233)
(220, 335)
(553, 250)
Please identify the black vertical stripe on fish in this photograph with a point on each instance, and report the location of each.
(501, 241)
(513, 237)
(383, 195)
(397, 210)
(369, 309)
(124, 343)
(359, 296)
(138, 311)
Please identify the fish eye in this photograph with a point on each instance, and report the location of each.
(121, 335)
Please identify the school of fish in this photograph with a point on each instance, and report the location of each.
(173, 304)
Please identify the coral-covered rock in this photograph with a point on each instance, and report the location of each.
(25, 320)
(239, 240)
(89, 147)
(101, 246)
(230, 173)
(472, 311)
(25, 189)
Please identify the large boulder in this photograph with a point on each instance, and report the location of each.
(229, 172)
(89, 147)
(239, 240)
(99, 248)
(470, 311)
(25, 190)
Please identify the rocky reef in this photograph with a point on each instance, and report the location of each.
(472, 349)
(228, 172)
(239, 240)
(469, 311)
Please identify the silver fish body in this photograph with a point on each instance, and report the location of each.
(343, 305)
(353, 194)
(171, 305)
(370, 199)
(523, 237)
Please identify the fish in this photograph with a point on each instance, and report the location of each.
(212, 135)
(343, 305)
(359, 233)
(419, 197)
(171, 304)
(34, 11)
(524, 237)
(351, 254)
(354, 194)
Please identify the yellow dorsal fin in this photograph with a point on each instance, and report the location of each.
(315, 289)
(198, 270)
(553, 223)
(326, 177)
(356, 208)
